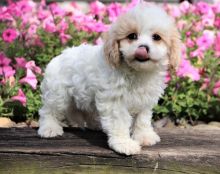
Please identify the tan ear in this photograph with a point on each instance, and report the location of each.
(111, 50)
(175, 50)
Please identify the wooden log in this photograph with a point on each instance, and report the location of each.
(180, 151)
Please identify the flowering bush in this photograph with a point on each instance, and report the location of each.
(194, 91)
(33, 33)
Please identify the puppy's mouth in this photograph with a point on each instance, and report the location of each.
(141, 59)
(141, 54)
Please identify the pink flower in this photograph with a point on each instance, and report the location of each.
(181, 24)
(32, 66)
(14, 10)
(98, 27)
(216, 89)
(5, 69)
(4, 61)
(207, 22)
(206, 40)
(5, 14)
(190, 43)
(29, 79)
(188, 33)
(21, 7)
(99, 41)
(64, 37)
(205, 84)
(217, 22)
(183, 51)
(216, 7)
(20, 62)
(74, 5)
(8, 71)
(187, 70)
(114, 10)
(217, 45)
(32, 29)
(25, 6)
(203, 7)
(49, 26)
(42, 3)
(208, 19)
(20, 97)
(167, 78)
(38, 42)
(185, 7)
(198, 26)
(9, 35)
(97, 8)
(175, 12)
(88, 24)
(197, 53)
(62, 26)
(57, 10)
(11, 81)
(43, 14)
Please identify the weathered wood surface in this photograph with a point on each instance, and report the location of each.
(180, 151)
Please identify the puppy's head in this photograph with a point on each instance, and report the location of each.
(144, 38)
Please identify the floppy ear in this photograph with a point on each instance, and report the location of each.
(111, 50)
(175, 50)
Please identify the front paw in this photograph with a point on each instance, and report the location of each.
(146, 137)
(125, 146)
(51, 130)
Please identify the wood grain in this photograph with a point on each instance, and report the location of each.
(181, 150)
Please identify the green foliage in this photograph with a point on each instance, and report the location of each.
(52, 45)
(184, 99)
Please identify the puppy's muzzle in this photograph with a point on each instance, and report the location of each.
(142, 53)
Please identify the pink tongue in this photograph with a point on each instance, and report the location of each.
(141, 53)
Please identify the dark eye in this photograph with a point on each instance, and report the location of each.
(132, 36)
(156, 37)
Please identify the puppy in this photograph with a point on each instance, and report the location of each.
(114, 86)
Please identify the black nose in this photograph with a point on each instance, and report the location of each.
(146, 47)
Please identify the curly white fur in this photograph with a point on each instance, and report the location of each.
(105, 87)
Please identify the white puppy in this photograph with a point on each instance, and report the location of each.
(114, 86)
